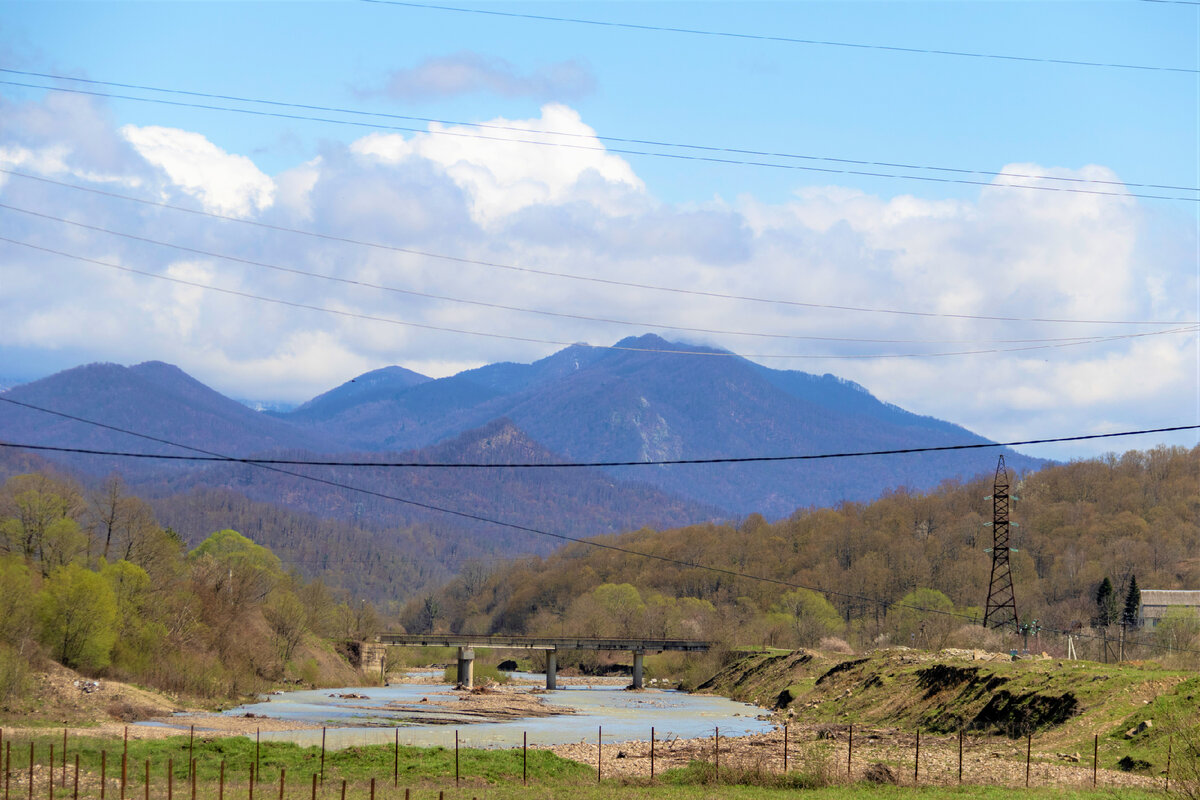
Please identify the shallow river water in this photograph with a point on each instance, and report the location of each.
(622, 715)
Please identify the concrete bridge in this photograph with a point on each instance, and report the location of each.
(372, 653)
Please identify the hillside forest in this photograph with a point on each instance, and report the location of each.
(90, 580)
(910, 569)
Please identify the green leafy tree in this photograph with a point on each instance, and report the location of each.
(16, 604)
(620, 604)
(236, 567)
(78, 615)
(1133, 604)
(923, 618)
(139, 634)
(810, 616)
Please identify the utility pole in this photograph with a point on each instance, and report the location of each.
(1001, 608)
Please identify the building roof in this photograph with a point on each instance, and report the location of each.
(1170, 597)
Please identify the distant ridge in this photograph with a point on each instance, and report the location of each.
(646, 401)
(153, 398)
(642, 401)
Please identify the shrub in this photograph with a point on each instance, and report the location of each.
(832, 644)
(14, 674)
(482, 674)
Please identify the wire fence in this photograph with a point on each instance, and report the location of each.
(47, 767)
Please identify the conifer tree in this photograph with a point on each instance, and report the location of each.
(1106, 604)
(1133, 602)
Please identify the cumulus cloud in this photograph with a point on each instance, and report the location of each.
(467, 73)
(67, 135)
(1004, 252)
(229, 184)
(503, 173)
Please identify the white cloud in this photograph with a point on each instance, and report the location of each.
(294, 187)
(295, 360)
(225, 183)
(176, 307)
(503, 174)
(467, 73)
(1005, 252)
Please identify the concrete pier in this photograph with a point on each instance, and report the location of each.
(466, 667)
(551, 644)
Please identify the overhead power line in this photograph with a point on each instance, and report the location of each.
(603, 149)
(519, 309)
(545, 533)
(618, 139)
(306, 462)
(570, 276)
(563, 343)
(764, 37)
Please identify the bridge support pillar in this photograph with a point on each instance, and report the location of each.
(637, 668)
(466, 667)
(551, 669)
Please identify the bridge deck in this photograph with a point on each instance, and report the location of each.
(540, 642)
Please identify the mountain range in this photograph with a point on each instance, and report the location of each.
(644, 399)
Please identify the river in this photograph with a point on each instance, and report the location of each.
(375, 715)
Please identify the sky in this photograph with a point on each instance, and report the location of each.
(986, 212)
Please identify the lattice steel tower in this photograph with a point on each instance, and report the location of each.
(1001, 610)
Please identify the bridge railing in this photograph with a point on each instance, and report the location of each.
(541, 642)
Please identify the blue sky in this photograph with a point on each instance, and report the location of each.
(832, 238)
(804, 99)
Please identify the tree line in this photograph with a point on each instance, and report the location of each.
(90, 580)
(866, 568)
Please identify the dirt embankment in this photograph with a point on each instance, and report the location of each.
(60, 697)
(953, 690)
(85, 705)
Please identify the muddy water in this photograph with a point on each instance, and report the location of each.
(623, 716)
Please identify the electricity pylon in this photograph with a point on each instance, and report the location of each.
(1001, 609)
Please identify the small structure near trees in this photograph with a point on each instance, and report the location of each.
(1158, 603)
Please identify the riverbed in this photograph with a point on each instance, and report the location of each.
(432, 714)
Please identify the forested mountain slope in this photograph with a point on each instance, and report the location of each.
(152, 398)
(1135, 514)
(576, 502)
(650, 399)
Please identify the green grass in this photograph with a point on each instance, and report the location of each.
(419, 764)
(427, 771)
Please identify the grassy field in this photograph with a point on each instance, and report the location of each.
(1065, 706)
(287, 771)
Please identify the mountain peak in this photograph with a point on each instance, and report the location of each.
(652, 342)
(499, 441)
